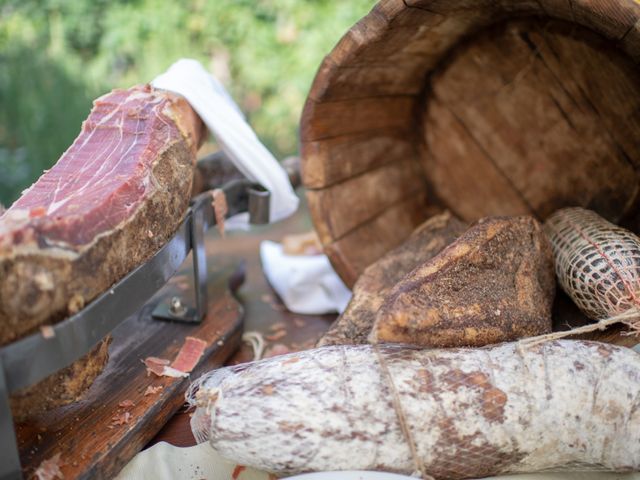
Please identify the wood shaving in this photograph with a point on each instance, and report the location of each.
(155, 365)
(277, 326)
(47, 331)
(220, 208)
(159, 361)
(151, 390)
(306, 243)
(126, 404)
(189, 355)
(173, 373)
(273, 302)
(276, 336)
(121, 419)
(237, 471)
(277, 349)
(49, 469)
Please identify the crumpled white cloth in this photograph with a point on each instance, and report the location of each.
(163, 461)
(166, 462)
(236, 138)
(307, 284)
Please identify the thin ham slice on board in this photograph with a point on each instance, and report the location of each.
(188, 357)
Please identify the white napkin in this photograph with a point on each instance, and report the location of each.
(221, 115)
(166, 462)
(306, 284)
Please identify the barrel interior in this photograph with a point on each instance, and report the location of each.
(483, 108)
(529, 116)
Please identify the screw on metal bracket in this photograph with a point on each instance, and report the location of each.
(177, 308)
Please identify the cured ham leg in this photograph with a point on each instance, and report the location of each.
(111, 201)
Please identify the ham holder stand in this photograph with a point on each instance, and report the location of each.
(30, 359)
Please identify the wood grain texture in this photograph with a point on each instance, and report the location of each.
(84, 433)
(332, 119)
(366, 195)
(460, 173)
(336, 159)
(369, 80)
(612, 18)
(538, 101)
(472, 7)
(352, 253)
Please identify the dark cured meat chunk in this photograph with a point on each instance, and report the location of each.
(494, 284)
(429, 239)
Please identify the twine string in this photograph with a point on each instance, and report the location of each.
(402, 419)
(630, 318)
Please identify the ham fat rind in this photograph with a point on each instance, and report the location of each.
(471, 413)
(111, 201)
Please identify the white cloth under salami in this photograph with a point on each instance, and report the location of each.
(163, 461)
(208, 97)
(307, 284)
(166, 462)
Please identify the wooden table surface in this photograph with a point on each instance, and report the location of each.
(264, 312)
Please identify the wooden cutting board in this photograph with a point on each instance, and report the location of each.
(86, 435)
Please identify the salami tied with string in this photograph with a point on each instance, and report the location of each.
(597, 264)
(561, 405)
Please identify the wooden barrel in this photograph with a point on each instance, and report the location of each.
(484, 107)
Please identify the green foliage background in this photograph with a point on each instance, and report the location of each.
(56, 56)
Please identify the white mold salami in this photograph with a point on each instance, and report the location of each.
(471, 412)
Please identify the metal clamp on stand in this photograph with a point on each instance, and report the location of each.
(27, 361)
(241, 196)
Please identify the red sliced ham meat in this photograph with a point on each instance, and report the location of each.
(101, 179)
(189, 354)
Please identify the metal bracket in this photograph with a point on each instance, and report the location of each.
(176, 309)
(9, 457)
(241, 195)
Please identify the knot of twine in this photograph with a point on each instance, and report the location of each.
(402, 419)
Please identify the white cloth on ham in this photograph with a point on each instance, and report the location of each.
(307, 284)
(236, 138)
